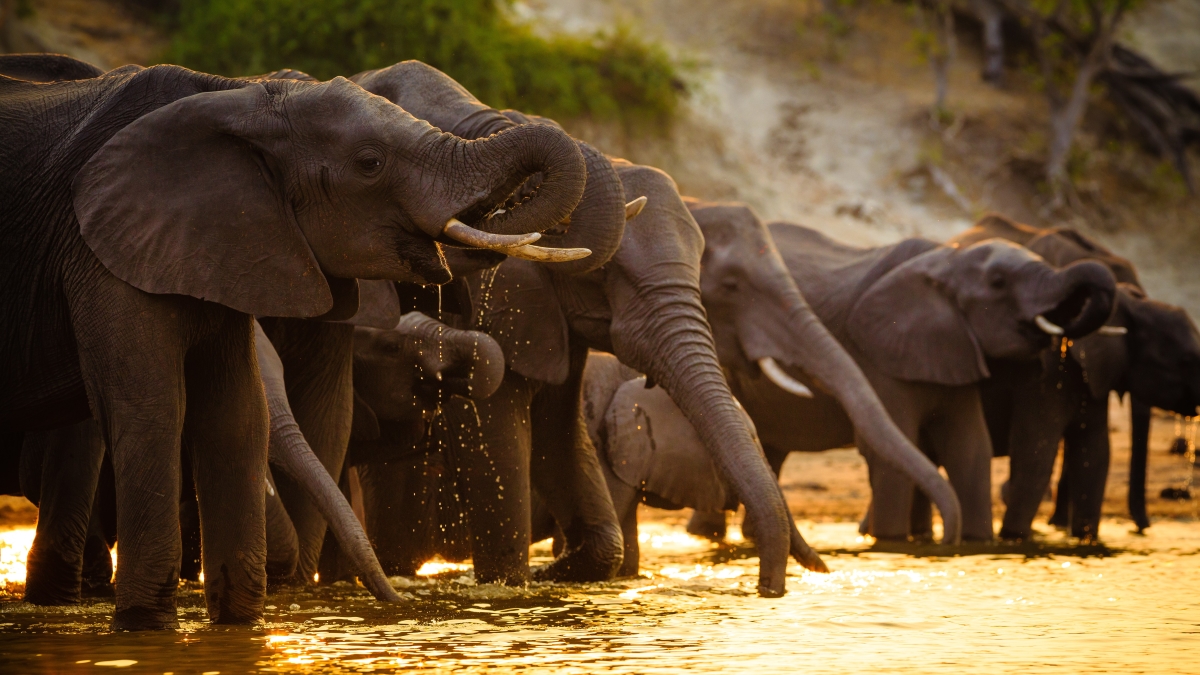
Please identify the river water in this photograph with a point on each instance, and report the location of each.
(1131, 607)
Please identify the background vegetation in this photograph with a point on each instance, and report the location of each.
(609, 76)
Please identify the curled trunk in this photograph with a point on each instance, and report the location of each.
(290, 452)
(1090, 295)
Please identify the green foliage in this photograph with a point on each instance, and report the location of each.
(606, 76)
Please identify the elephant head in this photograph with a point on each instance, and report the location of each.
(597, 221)
(938, 316)
(400, 374)
(760, 320)
(270, 196)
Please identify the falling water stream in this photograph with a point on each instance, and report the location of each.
(1133, 606)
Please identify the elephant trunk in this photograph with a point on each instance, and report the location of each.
(597, 223)
(672, 343)
(503, 161)
(290, 452)
(1088, 297)
(812, 347)
(466, 362)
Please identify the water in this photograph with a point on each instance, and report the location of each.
(1134, 606)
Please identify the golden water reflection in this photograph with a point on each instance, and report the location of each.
(1002, 609)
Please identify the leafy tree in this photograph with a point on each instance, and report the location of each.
(505, 64)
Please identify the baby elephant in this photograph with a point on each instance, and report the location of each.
(402, 379)
(650, 453)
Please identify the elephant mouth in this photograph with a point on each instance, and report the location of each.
(1080, 313)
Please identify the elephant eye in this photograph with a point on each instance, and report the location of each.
(729, 284)
(997, 282)
(368, 162)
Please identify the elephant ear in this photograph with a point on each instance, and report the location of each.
(378, 305)
(185, 200)
(652, 446)
(910, 329)
(520, 310)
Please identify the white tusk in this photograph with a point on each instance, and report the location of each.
(463, 233)
(635, 207)
(782, 379)
(1112, 330)
(1047, 327)
(545, 254)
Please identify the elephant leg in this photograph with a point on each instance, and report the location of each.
(1062, 498)
(707, 524)
(960, 442)
(401, 511)
(191, 565)
(131, 352)
(1139, 439)
(226, 435)
(891, 500)
(334, 564)
(492, 461)
(97, 559)
(1039, 417)
(566, 470)
(283, 548)
(318, 369)
(1086, 451)
(71, 457)
(920, 524)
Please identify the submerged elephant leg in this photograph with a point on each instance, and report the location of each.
(1062, 499)
(566, 471)
(1086, 451)
(226, 435)
(1038, 420)
(138, 401)
(401, 512)
(189, 526)
(97, 559)
(960, 442)
(707, 524)
(71, 458)
(318, 366)
(493, 478)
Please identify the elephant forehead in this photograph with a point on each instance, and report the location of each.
(992, 252)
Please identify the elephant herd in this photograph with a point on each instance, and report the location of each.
(233, 307)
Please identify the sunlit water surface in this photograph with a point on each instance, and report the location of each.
(1053, 608)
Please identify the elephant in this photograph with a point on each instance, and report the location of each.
(1148, 348)
(919, 319)
(134, 267)
(401, 379)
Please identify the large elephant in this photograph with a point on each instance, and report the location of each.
(920, 320)
(146, 215)
(1149, 349)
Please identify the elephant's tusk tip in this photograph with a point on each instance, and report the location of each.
(1113, 330)
(635, 207)
(546, 254)
(781, 379)
(1046, 326)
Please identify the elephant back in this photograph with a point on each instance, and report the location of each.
(832, 275)
(652, 446)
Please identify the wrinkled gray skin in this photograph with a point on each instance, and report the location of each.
(401, 378)
(756, 312)
(132, 267)
(1031, 406)
(59, 557)
(644, 307)
(920, 320)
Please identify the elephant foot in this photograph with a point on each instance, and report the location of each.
(707, 524)
(592, 554)
(50, 597)
(98, 589)
(144, 618)
(1058, 519)
(1013, 536)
